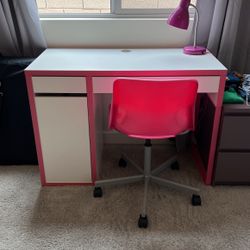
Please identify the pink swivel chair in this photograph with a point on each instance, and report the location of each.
(150, 109)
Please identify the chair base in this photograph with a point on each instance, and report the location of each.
(147, 175)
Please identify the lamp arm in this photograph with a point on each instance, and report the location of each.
(196, 23)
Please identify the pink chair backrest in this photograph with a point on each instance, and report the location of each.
(151, 109)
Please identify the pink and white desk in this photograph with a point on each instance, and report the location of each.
(65, 88)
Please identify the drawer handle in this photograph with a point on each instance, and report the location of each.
(62, 94)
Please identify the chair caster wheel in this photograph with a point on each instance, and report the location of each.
(196, 200)
(172, 139)
(122, 163)
(97, 192)
(143, 221)
(175, 165)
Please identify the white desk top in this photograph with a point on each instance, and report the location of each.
(116, 60)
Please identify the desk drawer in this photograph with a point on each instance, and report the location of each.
(207, 84)
(232, 168)
(235, 133)
(59, 84)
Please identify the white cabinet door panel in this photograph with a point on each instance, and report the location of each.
(64, 135)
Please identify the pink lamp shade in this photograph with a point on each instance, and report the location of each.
(179, 18)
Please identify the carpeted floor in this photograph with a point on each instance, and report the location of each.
(32, 217)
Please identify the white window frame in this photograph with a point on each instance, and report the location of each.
(116, 11)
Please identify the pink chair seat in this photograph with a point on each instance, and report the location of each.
(151, 109)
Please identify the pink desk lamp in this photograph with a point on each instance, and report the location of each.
(179, 18)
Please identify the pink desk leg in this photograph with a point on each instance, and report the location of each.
(91, 127)
(35, 127)
(217, 115)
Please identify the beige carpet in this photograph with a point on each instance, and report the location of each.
(32, 217)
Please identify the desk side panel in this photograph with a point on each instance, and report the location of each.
(31, 96)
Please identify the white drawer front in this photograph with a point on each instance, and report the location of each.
(207, 84)
(59, 84)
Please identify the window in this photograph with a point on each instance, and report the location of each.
(74, 6)
(145, 6)
(124, 7)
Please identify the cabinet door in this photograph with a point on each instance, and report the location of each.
(64, 136)
(232, 168)
(235, 133)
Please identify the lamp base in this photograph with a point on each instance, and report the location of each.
(197, 50)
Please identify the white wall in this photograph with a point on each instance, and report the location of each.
(113, 32)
